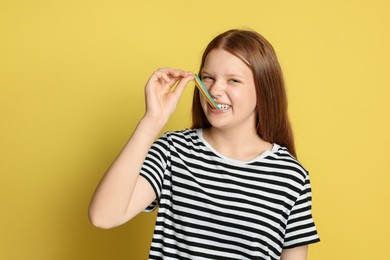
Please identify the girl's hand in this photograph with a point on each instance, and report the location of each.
(163, 91)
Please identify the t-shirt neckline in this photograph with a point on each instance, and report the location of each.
(261, 156)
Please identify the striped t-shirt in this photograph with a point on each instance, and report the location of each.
(214, 207)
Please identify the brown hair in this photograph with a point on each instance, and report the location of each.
(257, 53)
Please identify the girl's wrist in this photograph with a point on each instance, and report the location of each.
(152, 124)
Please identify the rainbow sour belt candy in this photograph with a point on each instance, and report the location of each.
(204, 91)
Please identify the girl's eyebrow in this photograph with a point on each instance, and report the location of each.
(204, 71)
(229, 75)
(232, 75)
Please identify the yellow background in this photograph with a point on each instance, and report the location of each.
(72, 76)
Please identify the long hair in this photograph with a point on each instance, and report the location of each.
(272, 122)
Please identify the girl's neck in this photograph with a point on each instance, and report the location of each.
(236, 144)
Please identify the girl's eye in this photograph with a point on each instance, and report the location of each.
(206, 77)
(234, 81)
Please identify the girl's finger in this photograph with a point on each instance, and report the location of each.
(182, 84)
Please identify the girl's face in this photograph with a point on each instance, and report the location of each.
(230, 82)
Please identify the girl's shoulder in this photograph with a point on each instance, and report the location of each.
(282, 158)
(187, 136)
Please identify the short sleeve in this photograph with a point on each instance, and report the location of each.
(301, 229)
(154, 166)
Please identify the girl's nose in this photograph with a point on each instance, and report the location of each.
(216, 90)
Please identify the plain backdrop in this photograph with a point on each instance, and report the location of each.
(71, 92)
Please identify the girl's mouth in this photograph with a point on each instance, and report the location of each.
(223, 106)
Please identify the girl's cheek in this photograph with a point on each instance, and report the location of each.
(207, 85)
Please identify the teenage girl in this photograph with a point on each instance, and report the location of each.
(230, 187)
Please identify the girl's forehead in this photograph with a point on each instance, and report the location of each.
(222, 61)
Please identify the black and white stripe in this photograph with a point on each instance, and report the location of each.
(213, 207)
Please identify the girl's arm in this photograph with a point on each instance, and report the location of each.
(296, 253)
(122, 193)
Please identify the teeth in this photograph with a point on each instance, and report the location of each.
(223, 106)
